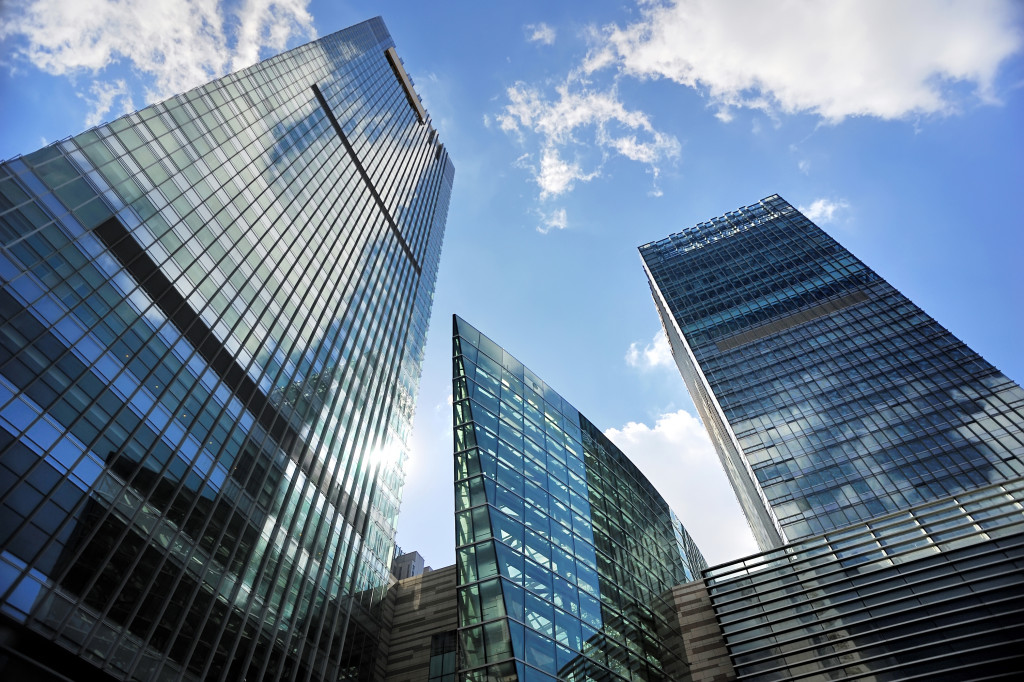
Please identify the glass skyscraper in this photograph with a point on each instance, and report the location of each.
(211, 328)
(830, 397)
(566, 554)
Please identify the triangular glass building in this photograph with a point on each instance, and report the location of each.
(566, 554)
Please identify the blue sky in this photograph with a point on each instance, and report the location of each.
(582, 130)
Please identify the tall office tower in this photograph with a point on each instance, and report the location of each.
(213, 316)
(830, 397)
(566, 554)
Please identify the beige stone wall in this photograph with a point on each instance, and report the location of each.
(423, 605)
(702, 638)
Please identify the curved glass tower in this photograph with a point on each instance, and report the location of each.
(566, 554)
(211, 328)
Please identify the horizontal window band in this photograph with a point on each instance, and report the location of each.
(790, 321)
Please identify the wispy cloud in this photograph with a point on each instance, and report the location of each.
(823, 211)
(657, 353)
(553, 220)
(174, 45)
(575, 129)
(834, 59)
(101, 98)
(267, 26)
(557, 176)
(540, 33)
(678, 457)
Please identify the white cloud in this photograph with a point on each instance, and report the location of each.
(102, 98)
(834, 59)
(657, 353)
(178, 45)
(677, 456)
(540, 33)
(823, 211)
(724, 114)
(580, 121)
(553, 220)
(890, 60)
(268, 25)
(557, 176)
(804, 166)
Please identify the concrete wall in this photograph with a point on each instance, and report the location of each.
(702, 637)
(423, 605)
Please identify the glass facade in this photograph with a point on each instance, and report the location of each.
(211, 329)
(934, 592)
(830, 397)
(566, 554)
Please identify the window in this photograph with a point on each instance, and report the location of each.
(442, 657)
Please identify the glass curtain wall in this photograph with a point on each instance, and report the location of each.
(830, 397)
(211, 327)
(565, 552)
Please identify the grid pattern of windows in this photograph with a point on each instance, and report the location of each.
(565, 552)
(931, 593)
(831, 398)
(442, 657)
(211, 328)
